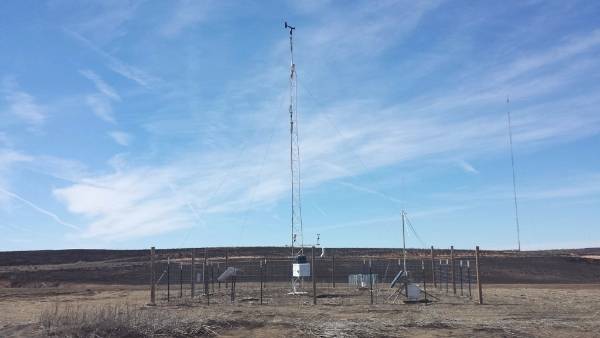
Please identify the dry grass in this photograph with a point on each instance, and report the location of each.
(120, 320)
(510, 310)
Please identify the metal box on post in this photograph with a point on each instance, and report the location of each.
(301, 269)
(414, 292)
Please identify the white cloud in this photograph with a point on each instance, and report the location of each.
(102, 86)
(22, 104)
(128, 71)
(567, 49)
(38, 209)
(8, 158)
(467, 167)
(358, 31)
(582, 185)
(102, 21)
(340, 139)
(120, 137)
(186, 13)
(101, 106)
(139, 200)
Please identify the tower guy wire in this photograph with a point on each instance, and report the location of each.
(514, 180)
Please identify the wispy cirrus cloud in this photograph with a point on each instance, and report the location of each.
(185, 14)
(103, 21)
(343, 136)
(38, 208)
(566, 49)
(101, 107)
(8, 159)
(120, 137)
(101, 102)
(227, 182)
(102, 86)
(467, 167)
(22, 104)
(118, 66)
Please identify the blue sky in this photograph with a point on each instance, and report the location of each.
(127, 124)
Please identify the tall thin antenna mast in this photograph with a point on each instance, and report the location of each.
(512, 162)
(297, 232)
(403, 244)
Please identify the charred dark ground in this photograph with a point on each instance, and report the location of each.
(91, 293)
(52, 267)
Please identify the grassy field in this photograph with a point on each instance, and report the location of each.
(121, 311)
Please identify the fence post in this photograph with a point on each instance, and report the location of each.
(180, 280)
(205, 279)
(204, 270)
(452, 269)
(152, 278)
(233, 289)
(212, 277)
(424, 279)
(371, 280)
(261, 281)
(477, 271)
(266, 272)
(314, 278)
(440, 274)
(193, 275)
(469, 278)
(168, 279)
(433, 268)
(447, 275)
(461, 277)
(226, 263)
(333, 268)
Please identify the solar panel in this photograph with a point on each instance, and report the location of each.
(228, 274)
(395, 280)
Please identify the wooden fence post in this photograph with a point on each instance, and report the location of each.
(180, 280)
(440, 283)
(168, 279)
(212, 278)
(266, 276)
(433, 268)
(193, 275)
(205, 278)
(261, 281)
(469, 278)
(460, 268)
(424, 279)
(447, 274)
(477, 271)
(152, 279)
(226, 264)
(371, 280)
(452, 269)
(314, 278)
(233, 289)
(333, 268)
(204, 272)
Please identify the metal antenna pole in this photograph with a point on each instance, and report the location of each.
(297, 240)
(297, 235)
(512, 162)
(403, 244)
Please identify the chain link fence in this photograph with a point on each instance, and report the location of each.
(333, 280)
